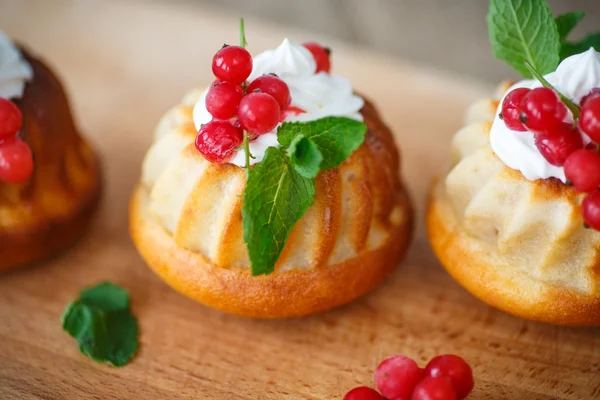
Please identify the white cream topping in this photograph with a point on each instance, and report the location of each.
(319, 94)
(14, 70)
(575, 77)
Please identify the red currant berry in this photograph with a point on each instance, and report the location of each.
(593, 93)
(590, 209)
(232, 64)
(557, 144)
(511, 109)
(10, 119)
(271, 84)
(16, 161)
(223, 99)
(258, 113)
(397, 376)
(582, 168)
(589, 120)
(542, 110)
(363, 393)
(217, 141)
(456, 370)
(321, 55)
(438, 388)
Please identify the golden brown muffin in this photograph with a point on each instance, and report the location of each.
(50, 211)
(185, 219)
(517, 244)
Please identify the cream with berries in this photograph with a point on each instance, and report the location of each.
(296, 76)
(16, 161)
(540, 116)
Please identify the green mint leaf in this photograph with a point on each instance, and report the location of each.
(101, 322)
(276, 197)
(106, 296)
(565, 23)
(568, 48)
(335, 137)
(305, 156)
(522, 30)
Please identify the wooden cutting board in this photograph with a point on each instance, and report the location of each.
(124, 64)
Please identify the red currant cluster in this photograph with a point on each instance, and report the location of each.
(542, 112)
(446, 377)
(16, 161)
(237, 106)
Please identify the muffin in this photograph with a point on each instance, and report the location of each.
(191, 219)
(505, 221)
(45, 209)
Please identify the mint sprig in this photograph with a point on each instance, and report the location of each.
(565, 23)
(101, 322)
(570, 48)
(525, 31)
(522, 30)
(276, 196)
(280, 188)
(335, 137)
(305, 156)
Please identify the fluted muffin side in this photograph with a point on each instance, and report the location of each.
(520, 245)
(185, 219)
(199, 203)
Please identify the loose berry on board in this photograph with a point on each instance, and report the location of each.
(16, 161)
(590, 208)
(10, 119)
(593, 93)
(589, 120)
(456, 370)
(511, 109)
(559, 143)
(232, 64)
(218, 141)
(542, 110)
(321, 55)
(223, 99)
(271, 84)
(397, 376)
(363, 393)
(434, 388)
(258, 113)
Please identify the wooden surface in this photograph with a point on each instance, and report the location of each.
(124, 64)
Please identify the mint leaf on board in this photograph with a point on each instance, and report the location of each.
(102, 323)
(522, 30)
(305, 156)
(568, 48)
(565, 23)
(276, 197)
(335, 137)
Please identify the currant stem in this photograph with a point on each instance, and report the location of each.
(246, 145)
(243, 42)
(575, 110)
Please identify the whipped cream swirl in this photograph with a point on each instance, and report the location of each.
(14, 70)
(575, 77)
(319, 94)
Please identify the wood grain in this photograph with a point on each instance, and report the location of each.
(124, 64)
